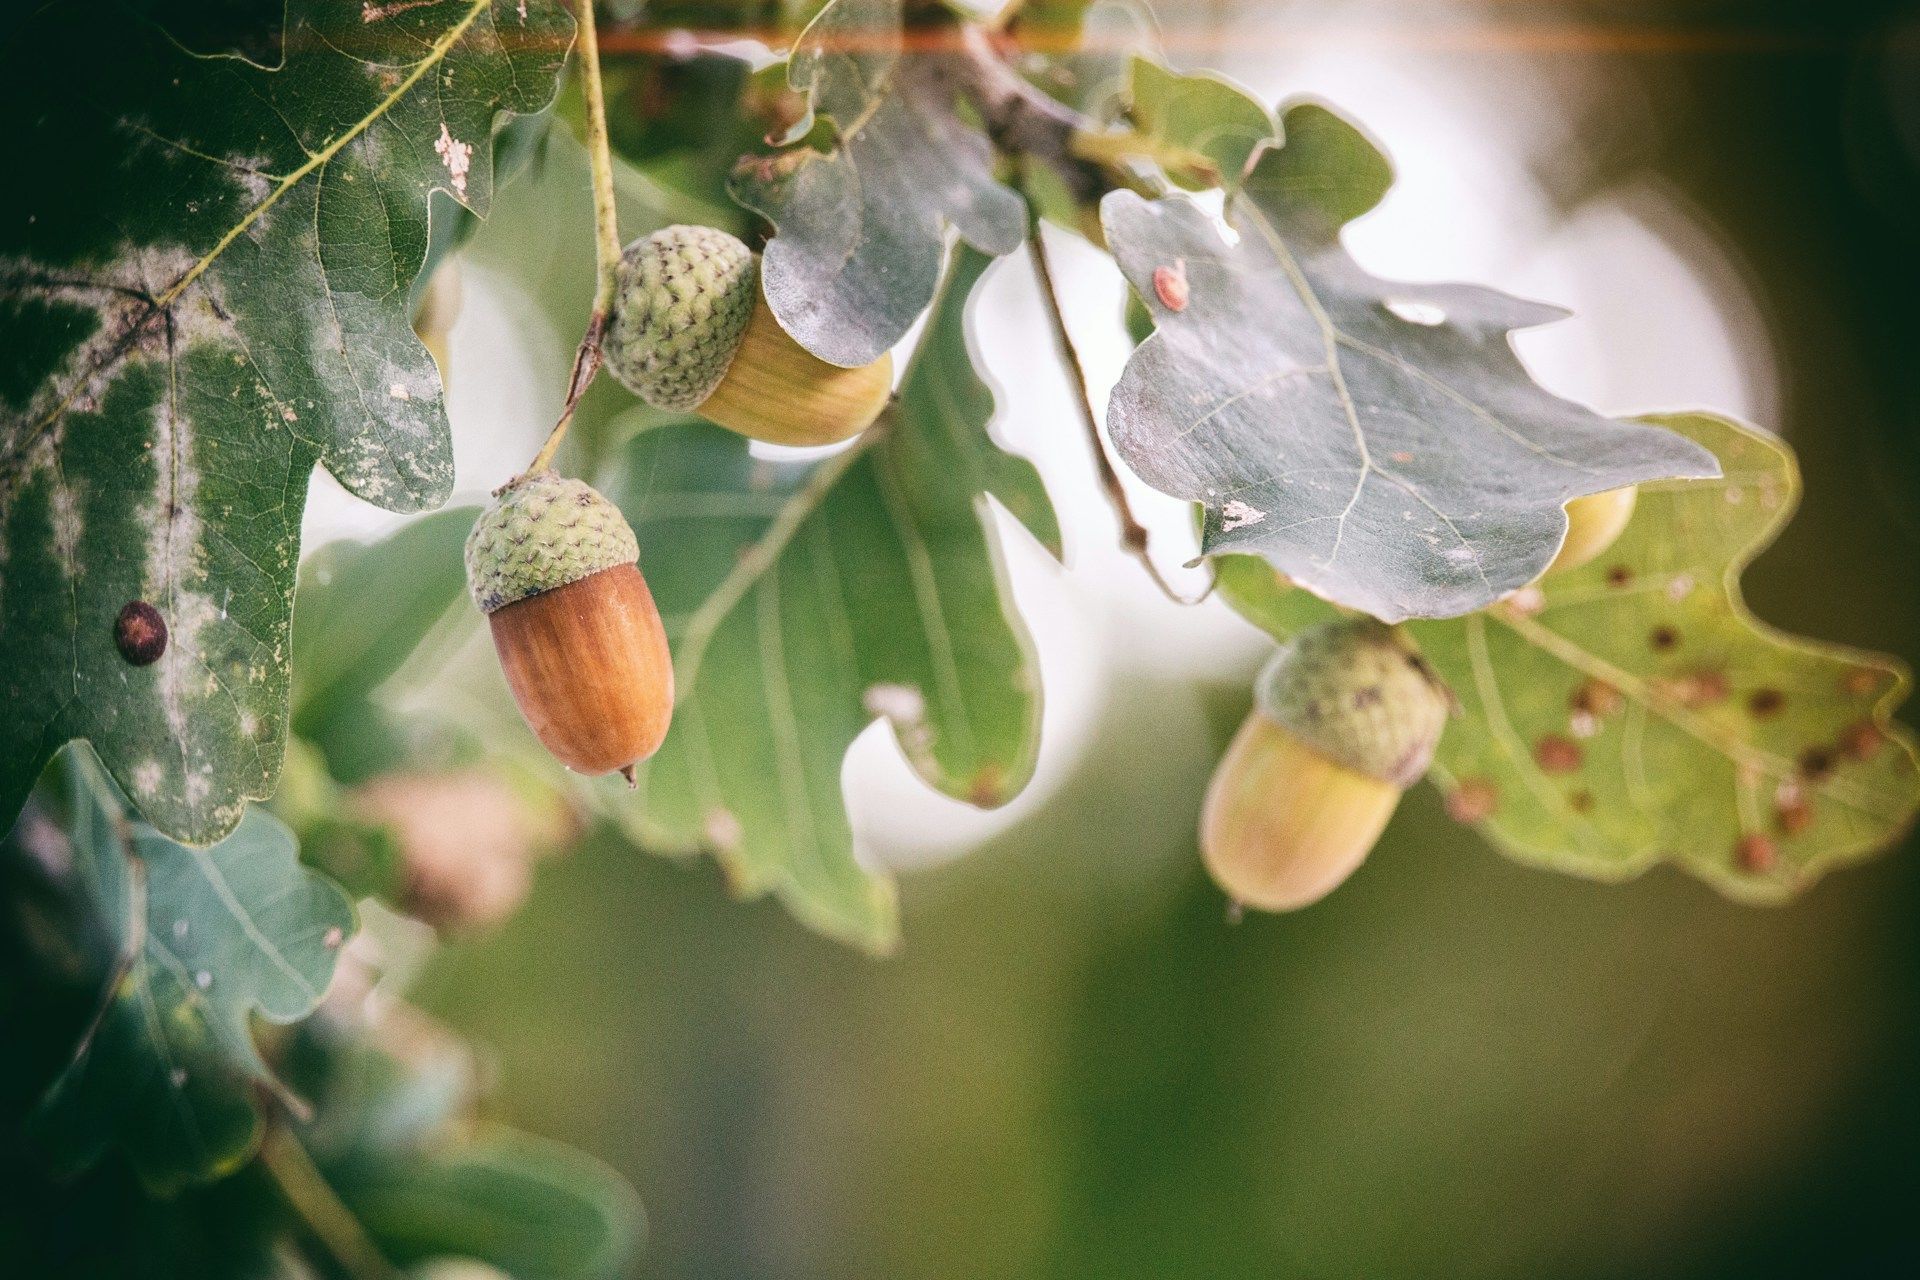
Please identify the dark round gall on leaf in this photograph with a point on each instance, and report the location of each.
(140, 633)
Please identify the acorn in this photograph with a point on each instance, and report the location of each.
(692, 330)
(1346, 717)
(554, 567)
(1593, 524)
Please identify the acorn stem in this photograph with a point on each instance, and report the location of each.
(606, 224)
(1133, 534)
(606, 237)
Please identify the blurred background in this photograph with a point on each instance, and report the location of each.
(1077, 1067)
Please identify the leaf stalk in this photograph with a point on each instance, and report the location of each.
(1134, 539)
(606, 238)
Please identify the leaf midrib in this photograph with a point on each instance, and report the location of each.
(435, 54)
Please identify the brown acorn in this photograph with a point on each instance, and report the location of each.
(1345, 718)
(691, 329)
(553, 566)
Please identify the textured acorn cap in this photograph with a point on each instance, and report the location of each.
(544, 531)
(685, 296)
(1359, 693)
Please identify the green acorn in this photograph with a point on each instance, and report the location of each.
(553, 566)
(1346, 717)
(691, 330)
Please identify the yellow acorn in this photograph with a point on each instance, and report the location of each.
(1346, 717)
(692, 330)
(1593, 524)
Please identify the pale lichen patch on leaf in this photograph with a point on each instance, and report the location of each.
(215, 264)
(457, 156)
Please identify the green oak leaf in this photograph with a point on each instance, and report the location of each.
(196, 942)
(862, 227)
(364, 608)
(535, 1209)
(1379, 443)
(1203, 130)
(806, 601)
(1633, 711)
(206, 267)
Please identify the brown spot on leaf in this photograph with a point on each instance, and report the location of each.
(1620, 576)
(1664, 639)
(1860, 681)
(1170, 285)
(1581, 801)
(1596, 698)
(1816, 763)
(1756, 853)
(1862, 740)
(1793, 814)
(988, 785)
(1696, 688)
(1765, 703)
(1474, 800)
(140, 633)
(1557, 754)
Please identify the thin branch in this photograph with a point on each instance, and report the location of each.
(606, 238)
(1133, 535)
(320, 1207)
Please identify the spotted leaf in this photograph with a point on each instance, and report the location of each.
(1633, 711)
(206, 264)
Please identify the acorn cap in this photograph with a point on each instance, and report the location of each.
(544, 531)
(685, 296)
(1358, 692)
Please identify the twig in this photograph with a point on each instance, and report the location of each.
(292, 1169)
(606, 239)
(1133, 534)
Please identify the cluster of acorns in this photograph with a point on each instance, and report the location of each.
(554, 565)
(1346, 717)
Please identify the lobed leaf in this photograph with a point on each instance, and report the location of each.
(861, 228)
(1633, 711)
(206, 266)
(1202, 129)
(807, 601)
(1379, 443)
(204, 939)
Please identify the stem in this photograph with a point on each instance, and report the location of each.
(1133, 535)
(606, 238)
(320, 1207)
